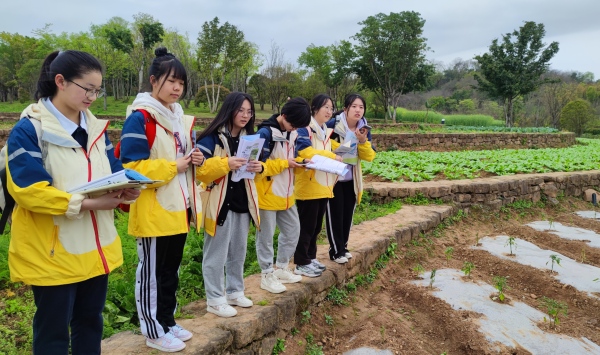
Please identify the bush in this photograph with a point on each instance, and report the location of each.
(576, 115)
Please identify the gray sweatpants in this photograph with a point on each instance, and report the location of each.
(289, 231)
(225, 251)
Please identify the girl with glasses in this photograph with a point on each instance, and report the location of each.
(229, 205)
(64, 244)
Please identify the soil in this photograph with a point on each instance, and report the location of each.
(391, 313)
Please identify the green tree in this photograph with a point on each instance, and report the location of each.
(515, 66)
(147, 32)
(391, 56)
(576, 115)
(258, 84)
(221, 49)
(185, 51)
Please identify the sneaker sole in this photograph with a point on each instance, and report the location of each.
(272, 290)
(239, 305)
(166, 350)
(289, 281)
(220, 314)
(306, 274)
(185, 338)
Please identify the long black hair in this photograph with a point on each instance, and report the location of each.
(348, 100)
(230, 107)
(319, 101)
(166, 63)
(70, 64)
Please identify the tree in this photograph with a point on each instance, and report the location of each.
(221, 49)
(258, 83)
(514, 67)
(148, 32)
(181, 47)
(277, 72)
(391, 56)
(576, 115)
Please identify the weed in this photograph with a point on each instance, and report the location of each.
(382, 332)
(501, 286)
(554, 308)
(295, 331)
(337, 296)
(477, 239)
(328, 319)
(279, 347)
(511, 243)
(432, 278)
(418, 269)
(262, 302)
(305, 317)
(554, 259)
(449, 252)
(351, 287)
(468, 268)
(583, 258)
(311, 347)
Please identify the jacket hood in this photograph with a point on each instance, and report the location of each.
(271, 122)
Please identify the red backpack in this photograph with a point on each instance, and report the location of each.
(150, 125)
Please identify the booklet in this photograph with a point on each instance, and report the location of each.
(124, 179)
(249, 148)
(349, 149)
(319, 162)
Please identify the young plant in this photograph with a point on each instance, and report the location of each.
(551, 222)
(501, 286)
(448, 252)
(554, 259)
(511, 243)
(477, 239)
(305, 317)
(279, 347)
(328, 319)
(554, 309)
(583, 258)
(418, 269)
(468, 268)
(432, 278)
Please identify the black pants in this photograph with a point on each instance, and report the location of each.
(340, 210)
(310, 214)
(76, 306)
(157, 280)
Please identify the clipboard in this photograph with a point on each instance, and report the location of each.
(124, 179)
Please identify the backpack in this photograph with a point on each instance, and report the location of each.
(150, 126)
(7, 202)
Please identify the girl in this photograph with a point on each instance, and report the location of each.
(63, 244)
(313, 187)
(229, 205)
(350, 126)
(160, 218)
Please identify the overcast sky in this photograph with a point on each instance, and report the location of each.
(454, 29)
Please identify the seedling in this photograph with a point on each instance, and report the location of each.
(305, 317)
(551, 222)
(448, 252)
(500, 285)
(295, 331)
(511, 243)
(554, 259)
(467, 268)
(328, 319)
(418, 269)
(554, 309)
(279, 347)
(583, 258)
(432, 278)
(477, 239)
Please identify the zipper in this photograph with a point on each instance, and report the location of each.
(54, 241)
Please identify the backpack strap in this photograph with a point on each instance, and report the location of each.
(150, 130)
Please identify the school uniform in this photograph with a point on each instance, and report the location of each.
(275, 186)
(313, 188)
(347, 193)
(65, 254)
(229, 207)
(161, 216)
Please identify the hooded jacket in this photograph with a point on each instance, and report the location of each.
(275, 185)
(314, 184)
(52, 241)
(214, 177)
(161, 208)
(366, 151)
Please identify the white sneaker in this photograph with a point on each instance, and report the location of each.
(271, 283)
(286, 276)
(167, 343)
(348, 255)
(241, 301)
(181, 333)
(222, 310)
(317, 264)
(307, 270)
(341, 260)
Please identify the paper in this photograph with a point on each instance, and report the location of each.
(124, 179)
(349, 149)
(319, 162)
(249, 148)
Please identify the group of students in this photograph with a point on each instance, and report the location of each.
(65, 245)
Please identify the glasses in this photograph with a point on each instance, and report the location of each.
(90, 93)
(243, 112)
(327, 108)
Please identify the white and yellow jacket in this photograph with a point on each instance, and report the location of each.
(52, 241)
(213, 175)
(161, 209)
(314, 184)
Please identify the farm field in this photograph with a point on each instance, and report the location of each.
(403, 312)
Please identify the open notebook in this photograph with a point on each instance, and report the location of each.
(124, 179)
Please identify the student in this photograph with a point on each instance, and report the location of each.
(63, 244)
(275, 186)
(349, 125)
(229, 205)
(313, 187)
(161, 217)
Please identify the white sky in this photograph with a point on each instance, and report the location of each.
(454, 29)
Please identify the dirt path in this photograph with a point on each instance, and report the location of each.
(392, 313)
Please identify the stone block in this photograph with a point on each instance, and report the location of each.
(588, 195)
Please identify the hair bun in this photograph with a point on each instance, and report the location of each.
(161, 52)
